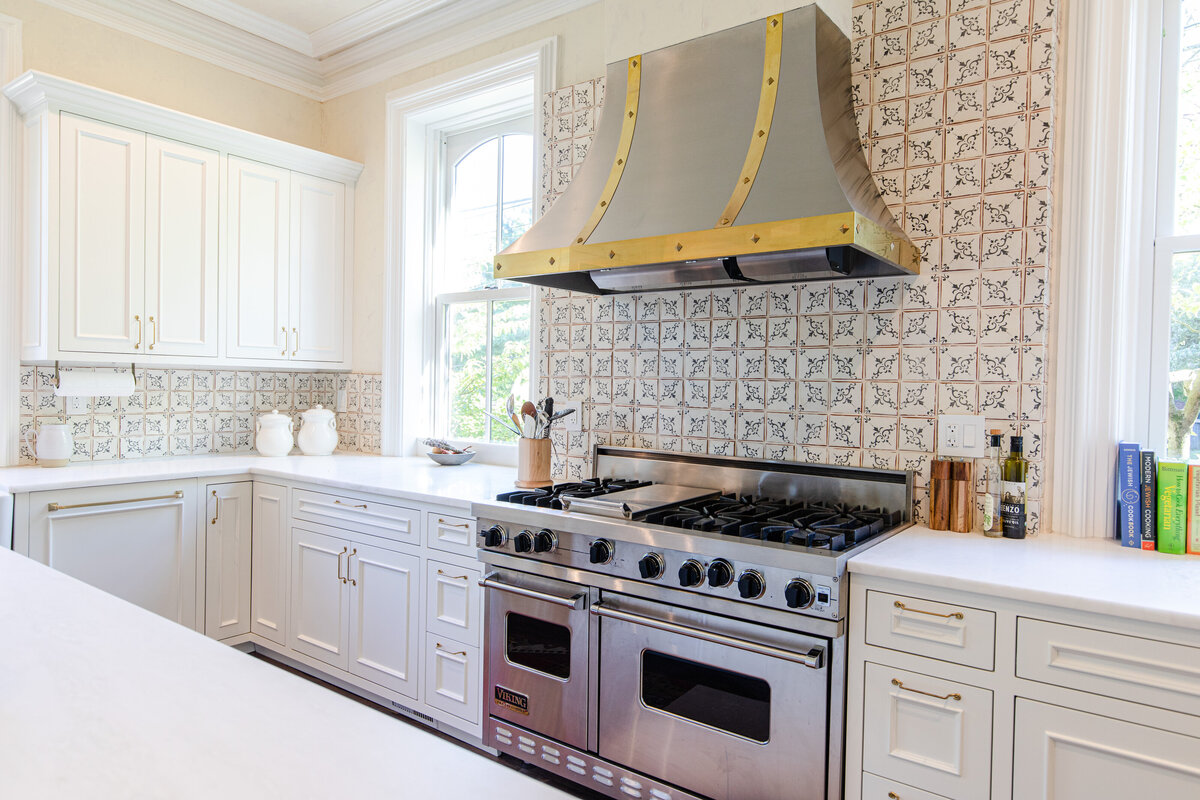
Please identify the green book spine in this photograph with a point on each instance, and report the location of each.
(1172, 507)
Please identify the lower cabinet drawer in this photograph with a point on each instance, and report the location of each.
(450, 533)
(877, 788)
(453, 602)
(452, 677)
(1143, 671)
(946, 632)
(360, 514)
(927, 732)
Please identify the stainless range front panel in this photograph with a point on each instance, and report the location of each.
(537, 668)
(723, 708)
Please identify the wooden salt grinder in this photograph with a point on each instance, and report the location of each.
(962, 497)
(939, 494)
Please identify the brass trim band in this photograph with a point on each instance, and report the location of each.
(628, 123)
(762, 123)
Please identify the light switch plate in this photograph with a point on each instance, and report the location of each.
(961, 435)
(571, 422)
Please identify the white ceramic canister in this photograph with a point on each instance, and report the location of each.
(273, 434)
(318, 432)
(53, 444)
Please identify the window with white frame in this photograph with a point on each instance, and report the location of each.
(482, 337)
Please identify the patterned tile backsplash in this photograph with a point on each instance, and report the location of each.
(188, 412)
(954, 104)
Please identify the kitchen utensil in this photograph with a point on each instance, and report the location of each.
(318, 432)
(533, 463)
(451, 459)
(273, 434)
(528, 409)
(506, 423)
(52, 444)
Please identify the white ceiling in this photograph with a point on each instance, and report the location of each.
(306, 15)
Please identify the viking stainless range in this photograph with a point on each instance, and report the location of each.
(674, 627)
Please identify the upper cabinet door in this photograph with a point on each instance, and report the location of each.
(182, 192)
(259, 216)
(318, 269)
(102, 238)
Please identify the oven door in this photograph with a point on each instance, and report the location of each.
(720, 707)
(537, 654)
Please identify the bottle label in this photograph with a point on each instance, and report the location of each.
(989, 512)
(1012, 509)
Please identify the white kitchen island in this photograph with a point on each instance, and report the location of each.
(99, 698)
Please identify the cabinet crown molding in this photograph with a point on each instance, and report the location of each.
(38, 92)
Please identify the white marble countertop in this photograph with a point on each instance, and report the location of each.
(1097, 575)
(416, 478)
(102, 699)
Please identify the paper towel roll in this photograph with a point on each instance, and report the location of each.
(94, 384)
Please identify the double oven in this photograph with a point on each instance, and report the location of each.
(713, 705)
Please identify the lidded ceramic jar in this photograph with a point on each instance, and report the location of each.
(273, 434)
(318, 432)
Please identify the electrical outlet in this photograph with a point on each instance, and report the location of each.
(77, 405)
(571, 422)
(960, 435)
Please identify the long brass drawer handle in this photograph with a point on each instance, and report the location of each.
(453, 524)
(283, 352)
(450, 652)
(454, 577)
(351, 505)
(138, 319)
(902, 607)
(216, 507)
(340, 577)
(153, 333)
(296, 349)
(353, 553)
(59, 507)
(951, 696)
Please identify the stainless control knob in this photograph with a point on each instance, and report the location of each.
(544, 541)
(751, 585)
(523, 542)
(720, 573)
(651, 566)
(601, 551)
(495, 536)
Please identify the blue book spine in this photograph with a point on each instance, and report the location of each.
(1129, 494)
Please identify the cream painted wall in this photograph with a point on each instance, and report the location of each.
(81, 50)
(635, 26)
(355, 128)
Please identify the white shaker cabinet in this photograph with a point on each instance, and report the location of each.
(317, 316)
(228, 518)
(384, 616)
(137, 541)
(269, 562)
(319, 613)
(259, 261)
(102, 229)
(182, 192)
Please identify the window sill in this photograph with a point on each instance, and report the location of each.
(495, 453)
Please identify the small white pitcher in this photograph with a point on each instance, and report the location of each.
(52, 444)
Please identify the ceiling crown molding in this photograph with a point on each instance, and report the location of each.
(384, 39)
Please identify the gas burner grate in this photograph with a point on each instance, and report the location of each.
(551, 496)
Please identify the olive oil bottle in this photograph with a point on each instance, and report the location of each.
(992, 467)
(1013, 487)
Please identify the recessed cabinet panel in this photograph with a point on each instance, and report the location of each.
(227, 522)
(1064, 754)
(320, 597)
(454, 603)
(268, 598)
(102, 237)
(318, 268)
(384, 621)
(927, 732)
(182, 191)
(452, 677)
(258, 257)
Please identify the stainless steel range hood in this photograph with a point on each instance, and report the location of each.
(725, 160)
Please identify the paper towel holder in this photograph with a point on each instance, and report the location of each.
(58, 382)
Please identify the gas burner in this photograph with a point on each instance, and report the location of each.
(551, 496)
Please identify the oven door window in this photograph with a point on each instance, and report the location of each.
(727, 701)
(538, 645)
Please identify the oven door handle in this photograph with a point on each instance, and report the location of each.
(814, 658)
(490, 582)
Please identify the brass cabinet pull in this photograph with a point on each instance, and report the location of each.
(350, 505)
(951, 696)
(173, 496)
(453, 524)
(296, 345)
(340, 576)
(353, 553)
(216, 507)
(454, 577)
(138, 319)
(902, 607)
(283, 352)
(153, 332)
(450, 652)
(893, 796)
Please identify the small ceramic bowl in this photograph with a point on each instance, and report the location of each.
(451, 459)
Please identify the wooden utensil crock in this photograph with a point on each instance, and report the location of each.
(533, 463)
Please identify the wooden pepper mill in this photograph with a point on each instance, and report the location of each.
(939, 494)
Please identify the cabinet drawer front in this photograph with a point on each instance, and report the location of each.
(1143, 671)
(452, 534)
(927, 732)
(946, 632)
(454, 602)
(877, 788)
(452, 677)
(392, 522)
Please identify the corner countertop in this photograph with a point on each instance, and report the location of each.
(416, 479)
(104, 699)
(1093, 575)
